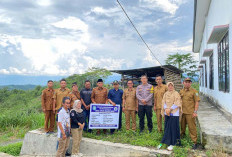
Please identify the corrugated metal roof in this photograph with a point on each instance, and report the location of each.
(149, 71)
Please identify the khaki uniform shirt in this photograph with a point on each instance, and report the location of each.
(74, 96)
(129, 96)
(189, 98)
(59, 95)
(158, 95)
(46, 99)
(171, 98)
(99, 95)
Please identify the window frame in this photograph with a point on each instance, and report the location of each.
(223, 64)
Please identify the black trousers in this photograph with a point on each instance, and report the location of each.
(120, 121)
(142, 111)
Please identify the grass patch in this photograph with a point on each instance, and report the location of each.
(12, 149)
(145, 139)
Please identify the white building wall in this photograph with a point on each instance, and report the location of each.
(220, 13)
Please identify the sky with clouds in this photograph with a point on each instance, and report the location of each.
(63, 37)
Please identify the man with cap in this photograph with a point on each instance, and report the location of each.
(99, 96)
(74, 94)
(47, 106)
(190, 102)
(159, 91)
(144, 96)
(115, 97)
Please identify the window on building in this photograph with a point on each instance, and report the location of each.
(211, 79)
(223, 64)
(205, 76)
(202, 77)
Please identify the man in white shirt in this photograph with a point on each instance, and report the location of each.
(63, 127)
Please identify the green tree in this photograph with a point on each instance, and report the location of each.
(185, 62)
(92, 74)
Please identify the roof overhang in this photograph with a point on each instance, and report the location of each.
(203, 61)
(218, 33)
(201, 8)
(200, 66)
(149, 71)
(207, 52)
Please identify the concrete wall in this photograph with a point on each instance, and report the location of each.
(38, 143)
(220, 13)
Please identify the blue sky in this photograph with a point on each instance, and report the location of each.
(63, 37)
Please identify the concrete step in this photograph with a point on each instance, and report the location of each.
(215, 129)
(37, 143)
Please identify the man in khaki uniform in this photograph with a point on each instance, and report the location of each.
(99, 96)
(190, 102)
(59, 94)
(130, 105)
(47, 104)
(159, 91)
(74, 94)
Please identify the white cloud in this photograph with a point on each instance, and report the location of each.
(5, 19)
(169, 6)
(44, 3)
(4, 71)
(65, 40)
(72, 23)
(107, 12)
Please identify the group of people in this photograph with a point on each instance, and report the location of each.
(72, 109)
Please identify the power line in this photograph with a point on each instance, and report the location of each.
(139, 34)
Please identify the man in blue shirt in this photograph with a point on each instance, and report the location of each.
(115, 97)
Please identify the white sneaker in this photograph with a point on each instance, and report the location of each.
(159, 146)
(170, 148)
(80, 154)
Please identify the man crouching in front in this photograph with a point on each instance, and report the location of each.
(63, 127)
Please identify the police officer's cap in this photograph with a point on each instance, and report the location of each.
(187, 79)
(115, 82)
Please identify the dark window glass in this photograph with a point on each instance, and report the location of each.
(211, 79)
(223, 64)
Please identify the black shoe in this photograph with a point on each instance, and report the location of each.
(141, 131)
(150, 131)
(89, 131)
(194, 146)
(67, 154)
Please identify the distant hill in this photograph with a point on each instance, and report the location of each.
(22, 87)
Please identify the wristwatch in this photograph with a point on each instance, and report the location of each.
(195, 111)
